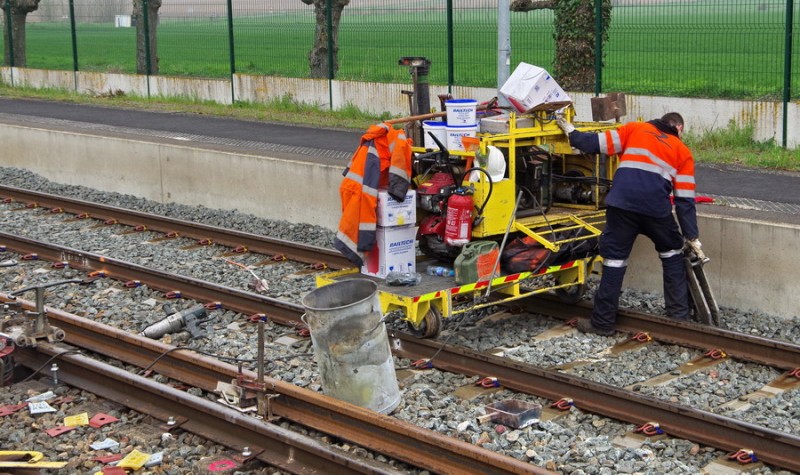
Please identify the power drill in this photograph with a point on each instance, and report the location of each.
(190, 319)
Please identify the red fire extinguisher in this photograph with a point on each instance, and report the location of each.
(458, 221)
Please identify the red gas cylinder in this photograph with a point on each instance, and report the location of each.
(458, 225)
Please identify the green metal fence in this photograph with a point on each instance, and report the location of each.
(692, 48)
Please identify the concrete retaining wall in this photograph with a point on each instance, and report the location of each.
(752, 262)
(700, 114)
(169, 173)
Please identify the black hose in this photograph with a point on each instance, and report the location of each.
(488, 195)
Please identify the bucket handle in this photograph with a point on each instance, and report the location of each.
(381, 321)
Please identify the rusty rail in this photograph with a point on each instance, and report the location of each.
(729, 434)
(151, 222)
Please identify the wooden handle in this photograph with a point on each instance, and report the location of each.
(488, 105)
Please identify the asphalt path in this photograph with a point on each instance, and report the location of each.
(719, 180)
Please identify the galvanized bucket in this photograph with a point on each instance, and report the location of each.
(351, 345)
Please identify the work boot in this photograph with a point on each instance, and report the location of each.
(585, 326)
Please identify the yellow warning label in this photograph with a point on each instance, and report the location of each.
(75, 421)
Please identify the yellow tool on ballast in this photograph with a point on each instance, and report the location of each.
(26, 459)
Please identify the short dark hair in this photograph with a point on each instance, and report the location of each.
(673, 118)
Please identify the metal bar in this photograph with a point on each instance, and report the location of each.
(374, 431)
(147, 58)
(231, 50)
(678, 421)
(598, 46)
(787, 69)
(503, 48)
(74, 41)
(256, 243)
(280, 447)
(329, 27)
(10, 36)
(737, 345)
(450, 49)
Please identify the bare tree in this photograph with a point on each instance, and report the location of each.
(318, 57)
(19, 13)
(146, 37)
(574, 64)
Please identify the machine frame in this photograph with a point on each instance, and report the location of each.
(425, 305)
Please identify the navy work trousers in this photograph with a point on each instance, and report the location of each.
(616, 242)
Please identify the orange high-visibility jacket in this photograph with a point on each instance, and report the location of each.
(653, 164)
(382, 161)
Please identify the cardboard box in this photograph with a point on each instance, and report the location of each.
(395, 251)
(395, 213)
(531, 88)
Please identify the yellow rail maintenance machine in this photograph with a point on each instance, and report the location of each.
(520, 192)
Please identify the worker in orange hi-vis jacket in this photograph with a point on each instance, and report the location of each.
(382, 161)
(654, 164)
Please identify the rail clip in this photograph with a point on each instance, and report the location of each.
(743, 456)
(649, 429)
(563, 404)
(488, 382)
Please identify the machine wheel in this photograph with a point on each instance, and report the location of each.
(429, 327)
(572, 294)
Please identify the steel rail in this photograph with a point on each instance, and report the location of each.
(703, 427)
(377, 432)
(269, 443)
(771, 446)
(751, 348)
(253, 242)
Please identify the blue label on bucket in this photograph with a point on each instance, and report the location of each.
(461, 111)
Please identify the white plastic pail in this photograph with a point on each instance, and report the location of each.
(438, 129)
(454, 134)
(351, 345)
(461, 111)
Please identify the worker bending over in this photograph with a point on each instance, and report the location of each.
(653, 164)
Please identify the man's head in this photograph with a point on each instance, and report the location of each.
(675, 120)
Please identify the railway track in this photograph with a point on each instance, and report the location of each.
(553, 384)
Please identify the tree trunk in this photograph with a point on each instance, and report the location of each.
(575, 42)
(145, 38)
(318, 57)
(19, 13)
(574, 63)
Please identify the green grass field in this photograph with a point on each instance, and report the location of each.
(714, 48)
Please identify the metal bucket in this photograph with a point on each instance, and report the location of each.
(351, 346)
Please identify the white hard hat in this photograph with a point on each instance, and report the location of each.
(496, 164)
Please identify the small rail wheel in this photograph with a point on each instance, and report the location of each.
(572, 294)
(430, 326)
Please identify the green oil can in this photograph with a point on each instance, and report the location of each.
(476, 262)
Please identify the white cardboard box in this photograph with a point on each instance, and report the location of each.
(394, 251)
(531, 88)
(395, 213)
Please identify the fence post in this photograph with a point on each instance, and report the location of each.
(231, 50)
(329, 28)
(787, 69)
(10, 38)
(503, 48)
(74, 42)
(598, 47)
(450, 54)
(148, 66)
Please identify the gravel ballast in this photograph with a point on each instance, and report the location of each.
(577, 443)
